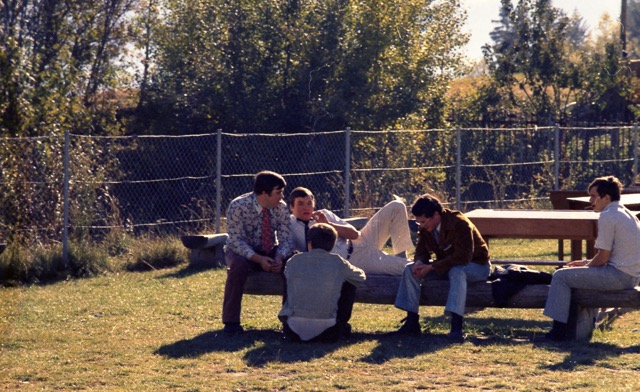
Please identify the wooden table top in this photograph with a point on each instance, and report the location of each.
(542, 224)
(630, 200)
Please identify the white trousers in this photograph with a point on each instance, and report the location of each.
(391, 222)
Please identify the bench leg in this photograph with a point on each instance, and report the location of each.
(207, 257)
(582, 321)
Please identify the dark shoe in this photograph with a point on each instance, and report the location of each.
(410, 327)
(559, 332)
(232, 328)
(457, 336)
(556, 336)
(346, 330)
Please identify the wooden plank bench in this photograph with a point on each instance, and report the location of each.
(382, 289)
(207, 252)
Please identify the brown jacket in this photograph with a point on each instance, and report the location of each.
(460, 243)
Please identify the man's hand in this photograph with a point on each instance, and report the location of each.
(576, 263)
(269, 264)
(419, 271)
(319, 217)
(276, 265)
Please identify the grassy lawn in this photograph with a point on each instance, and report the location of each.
(160, 330)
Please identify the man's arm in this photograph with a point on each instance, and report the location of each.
(600, 259)
(283, 231)
(236, 241)
(345, 230)
(354, 275)
(422, 252)
(462, 248)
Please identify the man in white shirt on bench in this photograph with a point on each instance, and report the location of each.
(362, 248)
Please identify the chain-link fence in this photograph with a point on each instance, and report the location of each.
(183, 184)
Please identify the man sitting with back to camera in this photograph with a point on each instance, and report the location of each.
(317, 307)
(461, 255)
(362, 248)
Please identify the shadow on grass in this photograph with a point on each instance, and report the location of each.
(185, 272)
(216, 341)
(584, 354)
(269, 346)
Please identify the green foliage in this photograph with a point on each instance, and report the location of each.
(42, 264)
(56, 58)
(535, 61)
(59, 71)
(258, 66)
(155, 253)
(543, 69)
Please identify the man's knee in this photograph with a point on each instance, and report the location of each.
(397, 206)
(457, 273)
(236, 264)
(407, 272)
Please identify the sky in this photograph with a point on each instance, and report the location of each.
(480, 13)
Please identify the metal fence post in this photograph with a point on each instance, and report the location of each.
(218, 178)
(635, 154)
(65, 206)
(347, 171)
(458, 166)
(556, 158)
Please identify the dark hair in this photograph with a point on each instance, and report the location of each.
(608, 185)
(322, 236)
(426, 205)
(300, 192)
(266, 181)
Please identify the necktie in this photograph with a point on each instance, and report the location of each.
(306, 230)
(266, 238)
(436, 235)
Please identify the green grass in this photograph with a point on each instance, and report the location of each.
(160, 330)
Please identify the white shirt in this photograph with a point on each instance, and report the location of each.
(299, 242)
(619, 232)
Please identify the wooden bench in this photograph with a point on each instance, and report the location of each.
(206, 251)
(382, 289)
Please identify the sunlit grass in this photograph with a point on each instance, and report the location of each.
(160, 330)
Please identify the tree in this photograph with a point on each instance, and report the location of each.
(56, 58)
(535, 64)
(58, 69)
(292, 66)
(577, 31)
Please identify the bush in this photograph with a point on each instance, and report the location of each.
(20, 264)
(156, 253)
(46, 264)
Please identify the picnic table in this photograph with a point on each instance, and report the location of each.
(574, 225)
(630, 200)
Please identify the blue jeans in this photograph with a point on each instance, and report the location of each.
(594, 278)
(408, 297)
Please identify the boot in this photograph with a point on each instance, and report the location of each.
(456, 333)
(559, 332)
(411, 325)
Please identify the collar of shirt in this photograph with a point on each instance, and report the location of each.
(612, 206)
(256, 205)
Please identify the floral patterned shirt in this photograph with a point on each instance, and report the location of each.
(244, 221)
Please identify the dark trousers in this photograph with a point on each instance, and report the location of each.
(343, 315)
(238, 268)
